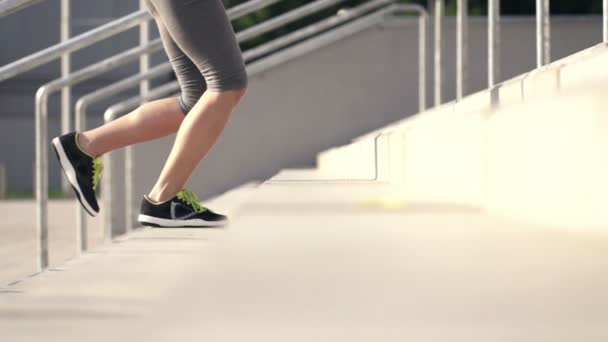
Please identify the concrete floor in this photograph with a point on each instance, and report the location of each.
(18, 233)
(323, 261)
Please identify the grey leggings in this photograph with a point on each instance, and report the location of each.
(201, 45)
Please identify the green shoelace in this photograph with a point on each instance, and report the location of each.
(97, 169)
(191, 198)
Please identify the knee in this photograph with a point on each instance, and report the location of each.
(237, 94)
(231, 97)
(232, 84)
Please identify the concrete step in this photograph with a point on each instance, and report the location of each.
(533, 148)
(18, 237)
(18, 245)
(321, 261)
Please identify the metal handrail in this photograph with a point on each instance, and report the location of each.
(295, 36)
(241, 36)
(105, 31)
(53, 52)
(370, 20)
(42, 96)
(122, 24)
(175, 87)
(122, 107)
(115, 88)
(11, 6)
(286, 18)
(81, 41)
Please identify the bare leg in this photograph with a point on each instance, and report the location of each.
(195, 137)
(150, 121)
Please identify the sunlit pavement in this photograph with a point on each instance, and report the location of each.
(325, 261)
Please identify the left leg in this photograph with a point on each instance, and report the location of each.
(150, 121)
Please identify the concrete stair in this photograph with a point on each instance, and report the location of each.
(324, 261)
(534, 148)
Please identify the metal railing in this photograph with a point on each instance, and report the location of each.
(79, 42)
(11, 6)
(605, 20)
(360, 22)
(3, 181)
(82, 104)
(273, 45)
(43, 93)
(543, 33)
(543, 40)
(462, 43)
(49, 54)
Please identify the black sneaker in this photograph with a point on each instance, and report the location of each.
(183, 210)
(82, 170)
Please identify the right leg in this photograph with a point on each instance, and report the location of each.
(203, 32)
(155, 119)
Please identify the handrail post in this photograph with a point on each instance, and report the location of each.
(605, 20)
(73, 44)
(82, 233)
(144, 66)
(462, 44)
(66, 93)
(493, 42)
(543, 33)
(439, 8)
(41, 186)
(423, 22)
(3, 181)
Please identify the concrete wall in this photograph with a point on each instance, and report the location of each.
(295, 110)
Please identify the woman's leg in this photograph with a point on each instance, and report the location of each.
(195, 137)
(203, 32)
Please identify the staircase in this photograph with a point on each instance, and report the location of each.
(479, 220)
(534, 149)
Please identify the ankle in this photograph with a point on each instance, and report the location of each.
(85, 145)
(159, 196)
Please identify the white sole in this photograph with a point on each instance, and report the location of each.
(159, 222)
(71, 175)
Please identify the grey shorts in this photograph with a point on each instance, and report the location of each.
(201, 45)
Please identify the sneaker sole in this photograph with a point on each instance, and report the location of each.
(70, 173)
(151, 221)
